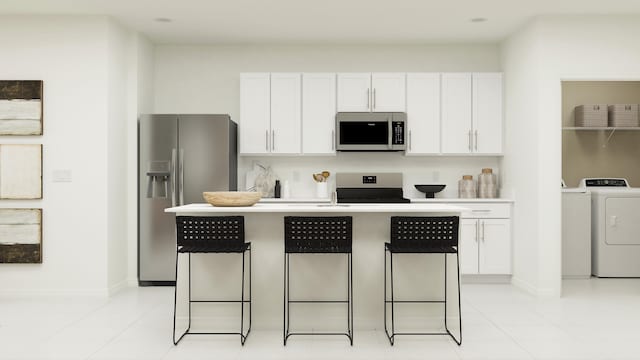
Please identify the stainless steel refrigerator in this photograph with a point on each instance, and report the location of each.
(179, 157)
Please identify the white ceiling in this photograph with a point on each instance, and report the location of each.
(321, 21)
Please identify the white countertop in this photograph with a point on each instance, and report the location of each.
(294, 200)
(458, 200)
(319, 208)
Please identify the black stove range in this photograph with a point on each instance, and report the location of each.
(384, 188)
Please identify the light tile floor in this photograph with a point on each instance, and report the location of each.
(595, 319)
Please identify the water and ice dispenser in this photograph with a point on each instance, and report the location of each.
(158, 177)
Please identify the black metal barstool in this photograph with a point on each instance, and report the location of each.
(422, 235)
(219, 235)
(318, 235)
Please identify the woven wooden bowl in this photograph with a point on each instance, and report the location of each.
(231, 198)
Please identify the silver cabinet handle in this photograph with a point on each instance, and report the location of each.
(483, 231)
(173, 177)
(374, 99)
(409, 139)
(266, 139)
(477, 230)
(368, 100)
(273, 140)
(333, 139)
(181, 170)
(481, 210)
(470, 148)
(476, 142)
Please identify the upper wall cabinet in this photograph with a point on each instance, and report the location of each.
(270, 113)
(379, 92)
(487, 113)
(318, 113)
(472, 113)
(423, 113)
(255, 113)
(285, 113)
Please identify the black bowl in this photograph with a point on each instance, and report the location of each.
(430, 190)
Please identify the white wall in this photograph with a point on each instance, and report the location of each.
(140, 102)
(520, 166)
(69, 54)
(84, 64)
(551, 49)
(205, 79)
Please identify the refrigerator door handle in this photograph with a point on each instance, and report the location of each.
(181, 170)
(173, 177)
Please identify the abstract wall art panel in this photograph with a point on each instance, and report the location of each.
(20, 107)
(20, 171)
(21, 236)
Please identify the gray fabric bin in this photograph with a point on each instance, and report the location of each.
(593, 115)
(623, 115)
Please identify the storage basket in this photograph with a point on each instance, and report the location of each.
(623, 115)
(594, 115)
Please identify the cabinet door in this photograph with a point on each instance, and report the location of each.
(354, 92)
(495, 246)
(318, 113)
(487, 113)
(423, 113)
(456, 113)
(285, 113)
(468, 246)
(255, 105)
(388, 92)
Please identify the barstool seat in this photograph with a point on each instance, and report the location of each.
(206, 235)
(422, 235)
(318, 235)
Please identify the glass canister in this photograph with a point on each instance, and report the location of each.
(467, 187)
(487, 184)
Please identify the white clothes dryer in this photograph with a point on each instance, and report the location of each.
(615, 227)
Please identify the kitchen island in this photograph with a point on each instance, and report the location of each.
(322, 276)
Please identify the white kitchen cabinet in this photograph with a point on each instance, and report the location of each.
(487, 113)
(388, 92)
(456, 113)
(472, 113)
(494, 254)
(354, 92)
(468, 246)
(423, 113)
(285, 113)
(485, 239)
(377, 92)
(255, 110)
(318, 113)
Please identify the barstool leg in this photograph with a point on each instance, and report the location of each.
(175, 302)
(285, 329)
(242, 337)
(350, 298)
(458, 341)
(393, 326)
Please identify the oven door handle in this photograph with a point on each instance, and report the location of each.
(390, 139)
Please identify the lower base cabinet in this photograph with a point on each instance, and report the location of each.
(485, 246)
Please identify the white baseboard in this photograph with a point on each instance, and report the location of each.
(54, 292)
(524, 285)
(132, 282)
(116, 288)
(485, 279)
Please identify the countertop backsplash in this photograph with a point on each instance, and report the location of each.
(298, 170)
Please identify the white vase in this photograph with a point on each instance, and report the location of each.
(322, 190)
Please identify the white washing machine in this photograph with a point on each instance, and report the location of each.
(615, 227)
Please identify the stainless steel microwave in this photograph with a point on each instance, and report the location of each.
(369, 131)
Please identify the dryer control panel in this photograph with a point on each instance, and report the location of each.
(604, 183)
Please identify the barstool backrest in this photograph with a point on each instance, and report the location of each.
(218, 231)
(420, 231)
(321, 234)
